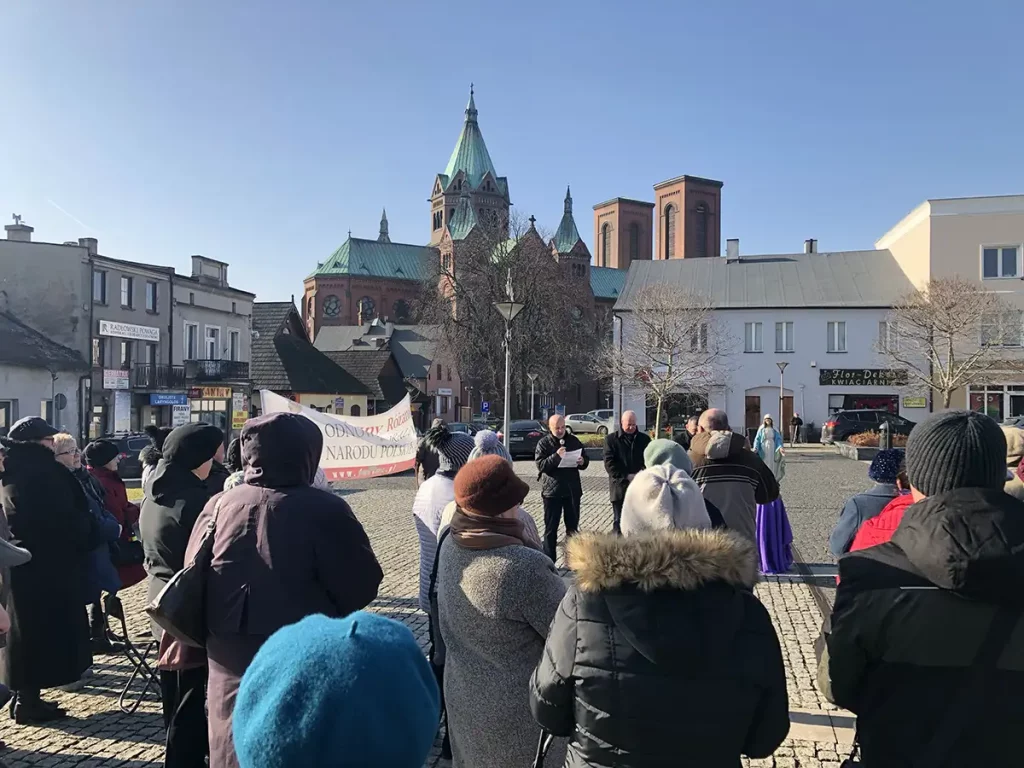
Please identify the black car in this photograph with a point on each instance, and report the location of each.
(129, 445)
(523, 437)
(843, 424)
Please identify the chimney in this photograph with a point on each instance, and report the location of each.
(91, 244)
(810, 246)
(732, 248)
(18, 232)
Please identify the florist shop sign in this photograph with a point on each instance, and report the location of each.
(861, 377)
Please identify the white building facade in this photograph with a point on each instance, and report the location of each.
(820, 315)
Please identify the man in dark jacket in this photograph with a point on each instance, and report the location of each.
(561, 489)
(623, 458)
(795, 423)
(48, 514)
(176, 493)
(730, 475)
(660, 654)
(919, 645)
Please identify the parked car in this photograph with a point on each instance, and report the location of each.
(602, 414)
(584, 423)
(523, 437)
(843, 424)
(130, 445)
(467, 428)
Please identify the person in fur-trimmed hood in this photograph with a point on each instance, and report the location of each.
(660, 654)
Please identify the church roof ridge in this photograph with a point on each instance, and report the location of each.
(470, 154)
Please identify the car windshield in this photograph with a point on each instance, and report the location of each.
(525, 426)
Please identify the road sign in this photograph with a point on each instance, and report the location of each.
(560, 410)
(485, 407)
(60, 401)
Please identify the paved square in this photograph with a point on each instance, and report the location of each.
(97, 733)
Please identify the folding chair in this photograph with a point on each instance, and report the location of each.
(141, 669)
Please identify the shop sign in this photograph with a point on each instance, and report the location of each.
(216, 393)
(122, 411)
(115, 379)
(339, 404)
(238, 401)
(164, 398)
(915, 402)
(861, 377)
(129, 331)
(195, 393)
(238, 419)
(180, 415)
(444, 391)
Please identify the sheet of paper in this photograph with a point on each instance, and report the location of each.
(570, 460)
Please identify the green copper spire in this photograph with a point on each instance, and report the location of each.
(464, 220)
(567, 235)
(470, 154)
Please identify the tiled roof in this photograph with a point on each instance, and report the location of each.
(843, 279)
(414, 346)
(470, 154)
(464, 220)
(285, 361)
(567, 235)
(371, 258)
(369, 367)
(26, 347)
(606, 283)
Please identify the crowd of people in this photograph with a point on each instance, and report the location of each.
(653, 650)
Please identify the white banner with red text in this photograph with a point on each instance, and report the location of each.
(358, 446)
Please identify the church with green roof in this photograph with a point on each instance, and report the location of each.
(368, 279)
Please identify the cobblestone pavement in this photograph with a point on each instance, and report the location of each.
(97, 733)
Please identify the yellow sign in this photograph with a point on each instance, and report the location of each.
(915, 402)
(211, 393)
(238, 419)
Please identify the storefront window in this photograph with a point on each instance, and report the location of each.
(991, 400)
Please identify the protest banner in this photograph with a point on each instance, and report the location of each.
(357, 446)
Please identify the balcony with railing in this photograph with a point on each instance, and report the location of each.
(216, 370)
(158, 377)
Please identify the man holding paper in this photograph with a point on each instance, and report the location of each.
(560, 457)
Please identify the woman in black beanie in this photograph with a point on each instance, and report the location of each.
(176, 493)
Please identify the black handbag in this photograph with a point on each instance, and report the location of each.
(957, 717)
(127, 552)
(180, 608)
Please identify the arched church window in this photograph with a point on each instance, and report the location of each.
(402, 311)
(670, 231)
(332, 306)
(701, 229)
(606, 244)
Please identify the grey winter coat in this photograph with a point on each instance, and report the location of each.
(856, 511)
(495, 608)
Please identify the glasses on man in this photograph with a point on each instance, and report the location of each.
(75, 452)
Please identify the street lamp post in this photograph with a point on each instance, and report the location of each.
(533, 383)
(782, 396)
(508, 310)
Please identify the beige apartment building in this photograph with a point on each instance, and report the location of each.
(979, 237)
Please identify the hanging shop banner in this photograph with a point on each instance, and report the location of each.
(122, 411)
(358, 446)
(861, 377)
(116, 379)
(180, 415)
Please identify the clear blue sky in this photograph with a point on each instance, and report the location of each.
(260, 132)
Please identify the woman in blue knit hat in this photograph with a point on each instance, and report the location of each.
(337, 692)
(864, 506)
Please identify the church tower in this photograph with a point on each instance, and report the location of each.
(469, 170)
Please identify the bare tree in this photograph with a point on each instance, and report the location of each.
(671, 344)
(553, 336)
(950, 334)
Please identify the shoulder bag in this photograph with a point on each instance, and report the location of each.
(180, 608)
(958, 715)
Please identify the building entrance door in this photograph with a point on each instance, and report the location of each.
(752, 418)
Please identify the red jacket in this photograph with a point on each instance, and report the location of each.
(127, 514)
(879, 529)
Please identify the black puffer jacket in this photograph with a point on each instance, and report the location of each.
(559, 483)
(908, 619)
(660, 655)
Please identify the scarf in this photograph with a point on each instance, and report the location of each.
(472, 531)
